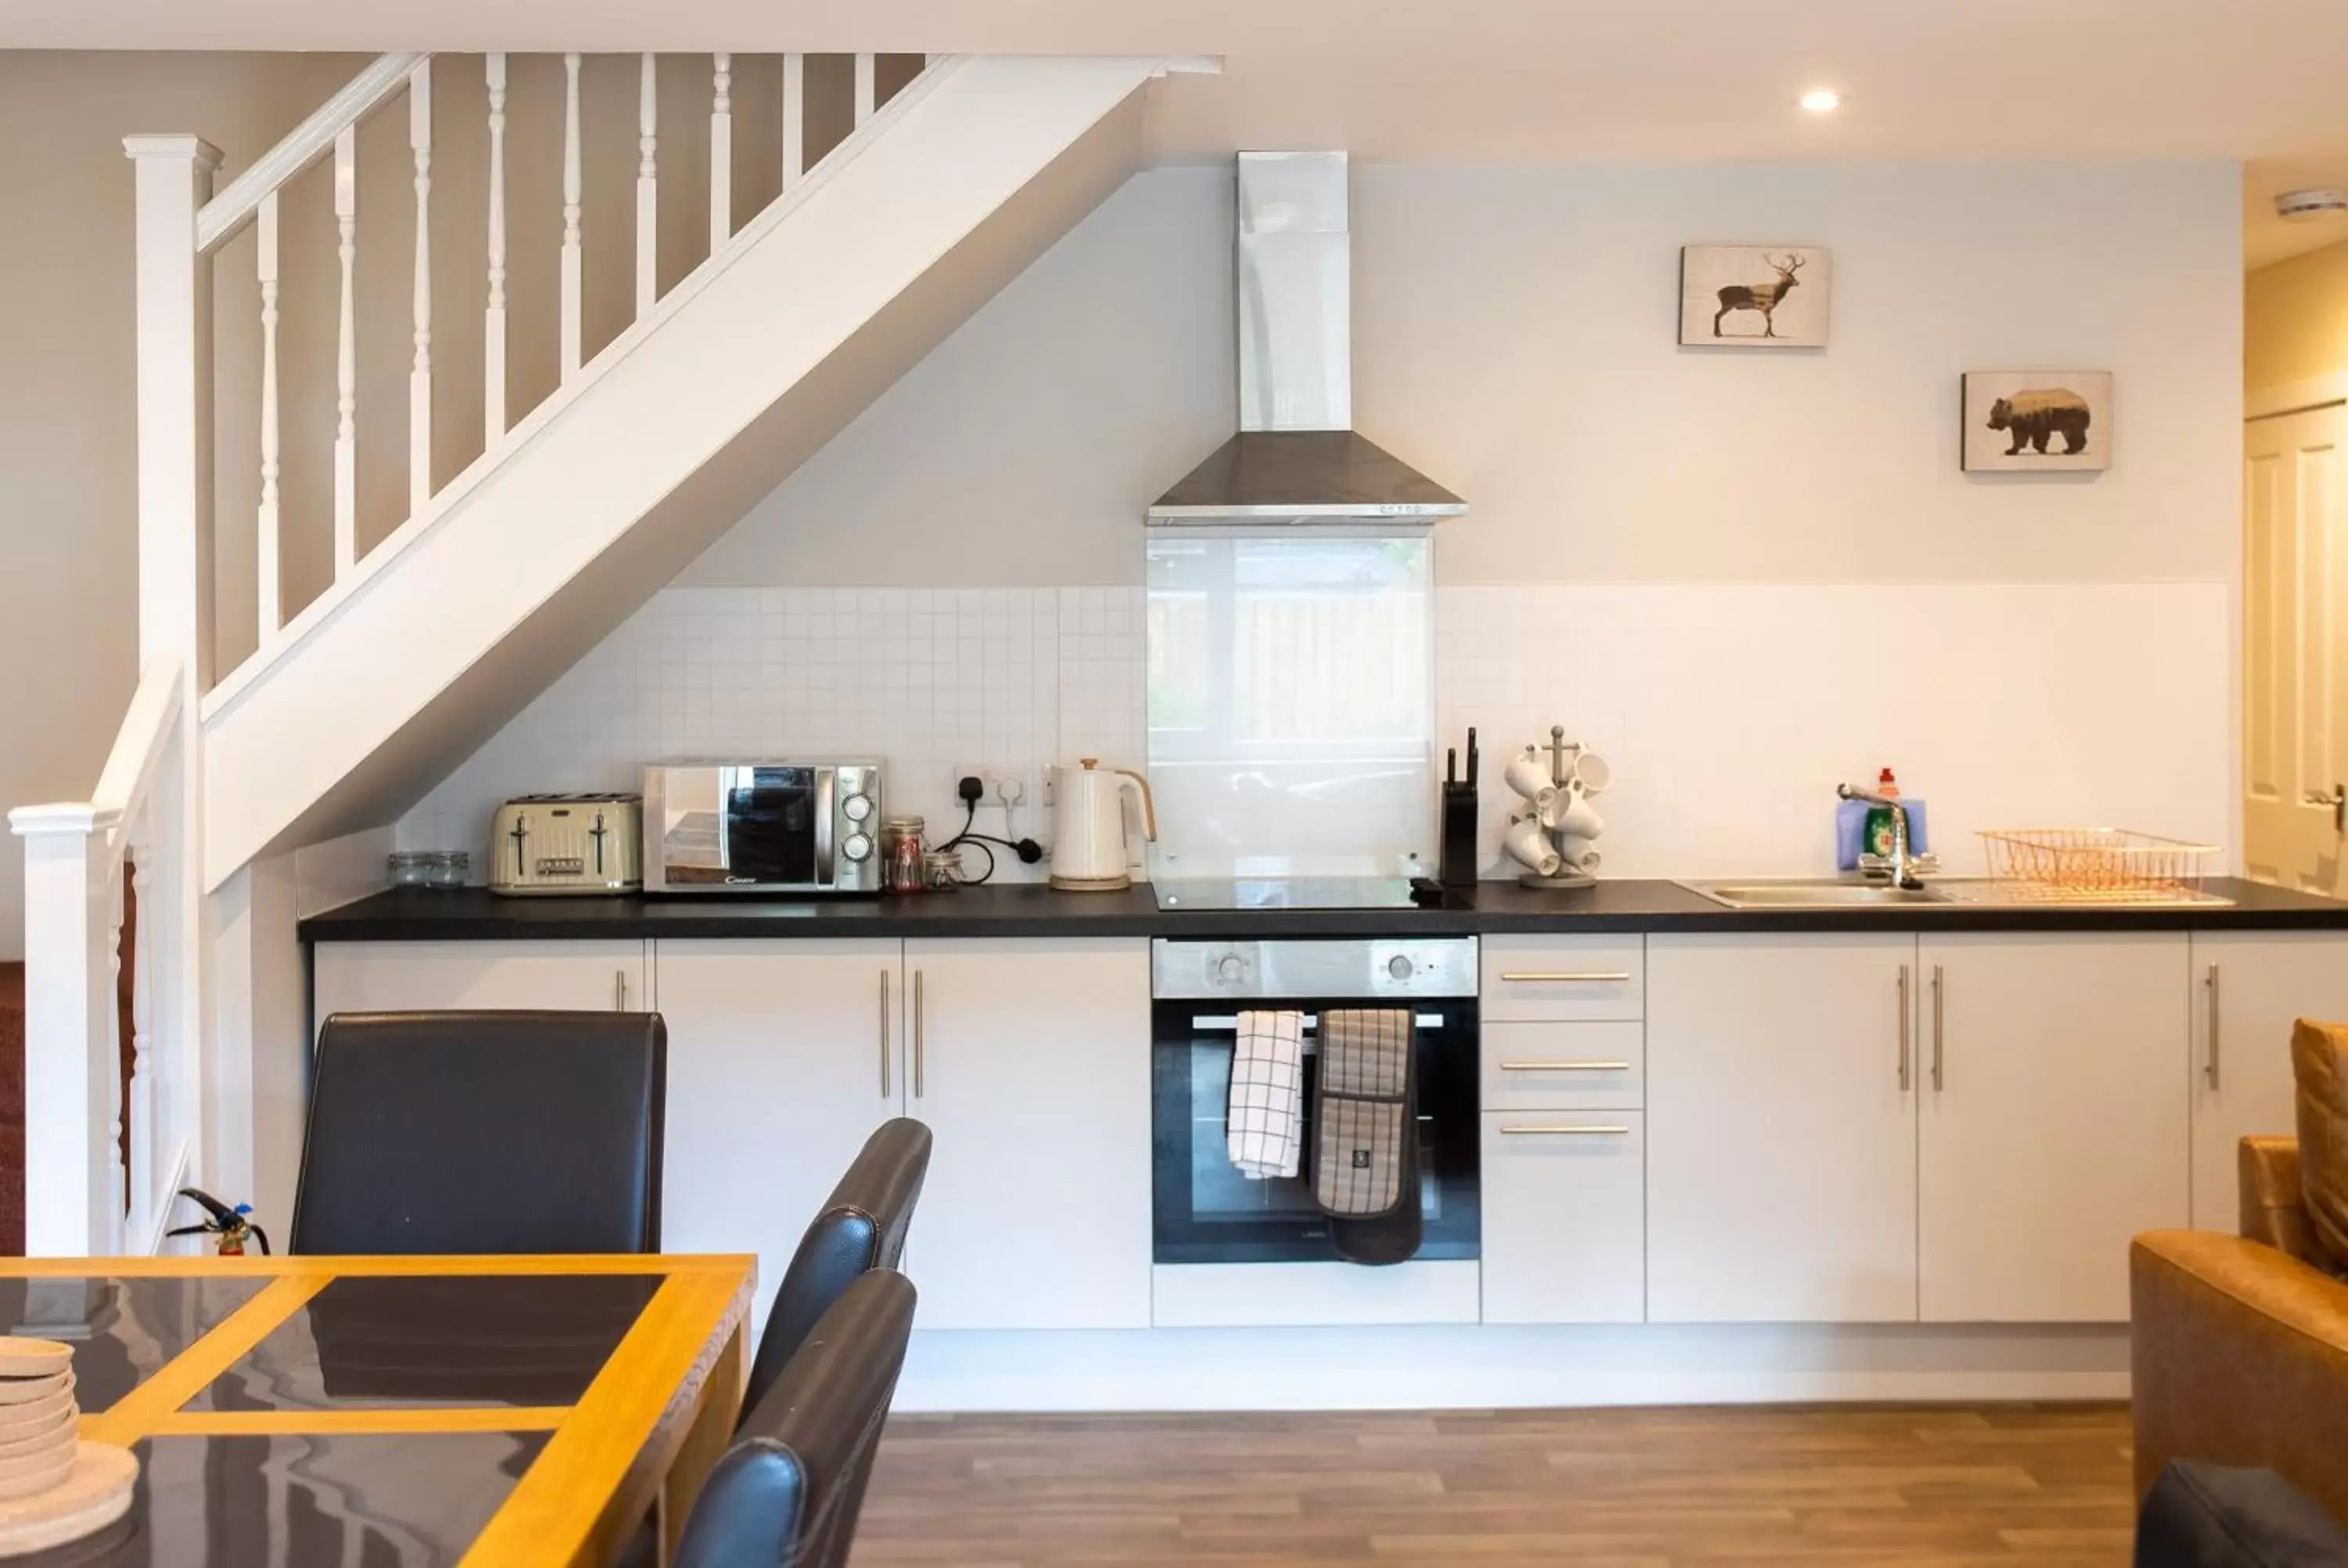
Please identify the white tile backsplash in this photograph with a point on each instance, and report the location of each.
(1728, 711)
(928, 680)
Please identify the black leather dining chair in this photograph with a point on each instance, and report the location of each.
(862, 1226)
(484, 1133)
(790, 1491)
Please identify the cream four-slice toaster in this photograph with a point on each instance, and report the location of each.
(542, 843)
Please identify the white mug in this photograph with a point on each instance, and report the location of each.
(1528, 776)
(1570, 812)
(1530, 847)
(1578, 853)
(1591, 772)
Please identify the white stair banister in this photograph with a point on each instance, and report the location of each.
(867, 88)
(573, 276)
(647, 186)
(420, 378)
(493, 355)
(346, 354)
(75, 863)
(270, 588)
(794, 118)
(721, 152)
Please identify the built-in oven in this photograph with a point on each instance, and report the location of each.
(762, 828)
(1205, 1210)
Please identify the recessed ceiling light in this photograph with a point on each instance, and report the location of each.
(1822, 100)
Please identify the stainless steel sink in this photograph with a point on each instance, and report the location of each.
(1820, 893)
(1944, 892)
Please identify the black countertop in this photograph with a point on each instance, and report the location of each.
(417, 915)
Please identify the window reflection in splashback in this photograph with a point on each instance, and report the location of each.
(1291, 702)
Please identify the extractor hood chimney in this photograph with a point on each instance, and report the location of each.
(1296, 458)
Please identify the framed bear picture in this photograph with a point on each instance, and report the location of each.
(2037, 421)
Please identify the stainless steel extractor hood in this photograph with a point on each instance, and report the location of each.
(1296, 458)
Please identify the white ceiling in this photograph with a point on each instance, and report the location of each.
(1493, 80)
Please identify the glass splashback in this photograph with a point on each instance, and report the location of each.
(1291, 704)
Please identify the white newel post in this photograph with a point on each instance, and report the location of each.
(174, 293)
(69, 1049)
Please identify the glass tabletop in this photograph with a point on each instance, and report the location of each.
(418, 1500)
(408, 1340)
(122, 1331)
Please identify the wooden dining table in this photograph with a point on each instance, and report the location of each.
(490, 1412)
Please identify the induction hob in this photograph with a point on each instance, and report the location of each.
(1285, 893)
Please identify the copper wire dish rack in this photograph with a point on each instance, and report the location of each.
(2102, 865)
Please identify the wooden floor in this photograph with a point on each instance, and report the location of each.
(1937, 1485)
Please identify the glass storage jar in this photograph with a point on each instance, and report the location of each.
(942, 871)
(449, 867)
(411, 868)
(901, 852)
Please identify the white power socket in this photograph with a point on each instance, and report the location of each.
(1006, 785)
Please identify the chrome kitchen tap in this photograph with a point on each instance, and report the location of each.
(1903, 873)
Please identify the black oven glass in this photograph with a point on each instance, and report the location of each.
(1206, 1212)
(770, 826)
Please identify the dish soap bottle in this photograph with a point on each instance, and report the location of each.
(1878, 835)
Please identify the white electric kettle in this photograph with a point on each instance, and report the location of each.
(1088, 846)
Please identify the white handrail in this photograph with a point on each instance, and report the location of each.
(143, 741)
(219, 219)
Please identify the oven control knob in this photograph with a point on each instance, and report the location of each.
(1231, 969)
(856, 807)
(1398, 967)
(856, 847)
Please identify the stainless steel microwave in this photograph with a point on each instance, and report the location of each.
(763, 827)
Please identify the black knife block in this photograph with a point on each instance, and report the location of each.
(1455, 867)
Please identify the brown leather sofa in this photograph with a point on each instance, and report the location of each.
(2240, 1349)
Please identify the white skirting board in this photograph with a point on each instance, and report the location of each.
(1471, 1368)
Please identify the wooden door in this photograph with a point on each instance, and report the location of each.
(783, 1057)
(1030, 1061)
(1781, 1129)
(2250, 986)
(2295, 650)
(2053, 1121)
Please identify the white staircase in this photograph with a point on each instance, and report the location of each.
(575, 513)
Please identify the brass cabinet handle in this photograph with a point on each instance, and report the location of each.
(1569, 1132)
(2209, 1067)
(884, 1034)
(1939, 1028)
(1565, 1067)
(619, 990)
(1593, 976)
(918, 1022)
(1903, 1028)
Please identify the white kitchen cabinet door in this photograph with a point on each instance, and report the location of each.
(2052, 1113)
(1030, 1060)
(1564, 1217)
(400, 977)
(1781, 1143)
(783, 1057)
(2249, 987)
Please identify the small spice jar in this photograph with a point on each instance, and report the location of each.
(942, 870)
(901, 853)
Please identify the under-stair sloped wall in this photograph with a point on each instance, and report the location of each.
(619, 480)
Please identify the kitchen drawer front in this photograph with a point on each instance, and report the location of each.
(1564, 978)
(1565, 1217)
(1564, 1066)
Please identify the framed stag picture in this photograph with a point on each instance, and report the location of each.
(1755, 296)
(2037, 421)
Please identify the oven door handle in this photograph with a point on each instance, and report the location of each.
(1214, 1024)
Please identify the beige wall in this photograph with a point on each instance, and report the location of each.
(68, 553)
(1514, 335)
(2295, 319)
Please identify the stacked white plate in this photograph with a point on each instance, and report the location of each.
(53, 1487)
